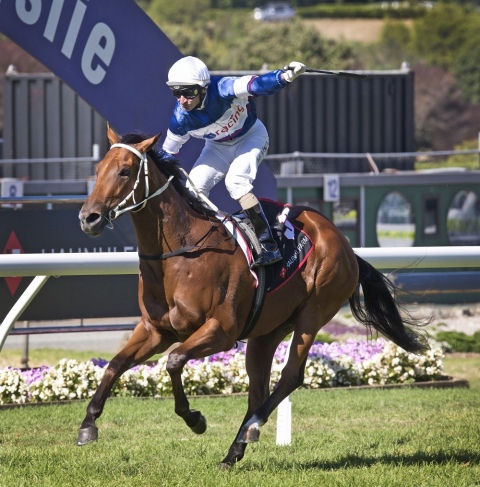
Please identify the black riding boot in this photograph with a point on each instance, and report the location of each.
(269, 249)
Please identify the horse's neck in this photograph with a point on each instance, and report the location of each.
(167, 225)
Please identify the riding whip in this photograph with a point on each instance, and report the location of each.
(344, 74)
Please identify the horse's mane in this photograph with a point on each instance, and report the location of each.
(170, 167)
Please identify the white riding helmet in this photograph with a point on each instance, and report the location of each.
(189, 71)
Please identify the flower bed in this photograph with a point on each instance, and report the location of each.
(336, 364)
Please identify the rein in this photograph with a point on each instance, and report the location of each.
(182, 250)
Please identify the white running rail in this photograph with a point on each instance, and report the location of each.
(43, 266)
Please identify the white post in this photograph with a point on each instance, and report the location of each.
(284, 412)
(96, 151)
(284, 422)
(362, 216)
(290, 195)
(19, 307)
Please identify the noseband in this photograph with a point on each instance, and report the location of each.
(119, 210)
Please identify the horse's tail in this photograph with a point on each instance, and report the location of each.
(381, 310)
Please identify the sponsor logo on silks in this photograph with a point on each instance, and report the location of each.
(232, 120)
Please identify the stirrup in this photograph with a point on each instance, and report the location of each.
(269, 252)
(267, 257)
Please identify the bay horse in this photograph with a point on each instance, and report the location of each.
(196, 288)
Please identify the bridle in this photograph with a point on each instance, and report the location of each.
(119, 210)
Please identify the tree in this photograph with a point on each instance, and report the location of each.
(441, 33)
(442, 116)
(235, 42)
(183, 12)
(276, 45)
(392, 49)
(466, 68)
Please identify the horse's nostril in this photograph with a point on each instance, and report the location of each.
(92, 218)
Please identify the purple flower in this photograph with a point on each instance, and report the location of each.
(33, 375)
(335, 329)
(99, 362)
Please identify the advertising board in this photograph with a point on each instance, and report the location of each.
(43, 231)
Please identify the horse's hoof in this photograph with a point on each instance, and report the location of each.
(201, 425)
(225, 466)
(249, 435)
(87, 435)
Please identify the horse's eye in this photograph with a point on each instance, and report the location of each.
(125, 172)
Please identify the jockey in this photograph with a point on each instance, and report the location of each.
(221, 110)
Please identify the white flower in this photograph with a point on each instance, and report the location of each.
(73, 380)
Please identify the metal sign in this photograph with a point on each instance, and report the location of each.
(331, 187)
(11, 188)
(13, 246)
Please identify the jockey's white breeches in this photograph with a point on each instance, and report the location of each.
(236, 160)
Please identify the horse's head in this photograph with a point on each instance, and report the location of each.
(117, 175)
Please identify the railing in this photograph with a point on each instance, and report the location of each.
(83, 168)
(321, 163)
(43, 266)
(58, 168)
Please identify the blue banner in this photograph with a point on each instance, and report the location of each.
(109, 51)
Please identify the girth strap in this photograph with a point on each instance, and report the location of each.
(165, 256)
(259, 297)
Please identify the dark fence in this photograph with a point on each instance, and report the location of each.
(329, 114)
(319, 113)
(44, 118)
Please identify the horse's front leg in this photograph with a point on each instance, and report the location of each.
(194, 419)
(142, 344)
(207, 340)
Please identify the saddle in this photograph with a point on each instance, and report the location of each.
(294, 245)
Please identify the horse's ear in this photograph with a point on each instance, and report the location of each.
(113, 138)
(148, 143)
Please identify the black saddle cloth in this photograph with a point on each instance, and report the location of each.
(294, 244)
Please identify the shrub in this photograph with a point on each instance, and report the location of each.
(460, 342)
(328, 365)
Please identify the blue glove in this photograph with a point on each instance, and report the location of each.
(166, 156)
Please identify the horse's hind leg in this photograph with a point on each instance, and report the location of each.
(260, 352)
(309, 321)
(141, 345)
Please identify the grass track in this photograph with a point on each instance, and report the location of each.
(404, 437)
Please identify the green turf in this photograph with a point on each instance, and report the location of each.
(406, 437)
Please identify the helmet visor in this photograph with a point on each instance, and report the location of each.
(189, 92)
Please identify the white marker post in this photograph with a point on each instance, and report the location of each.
(284, 413)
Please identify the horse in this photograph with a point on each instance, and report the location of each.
(196, 288)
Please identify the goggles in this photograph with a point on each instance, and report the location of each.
(188, 92)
